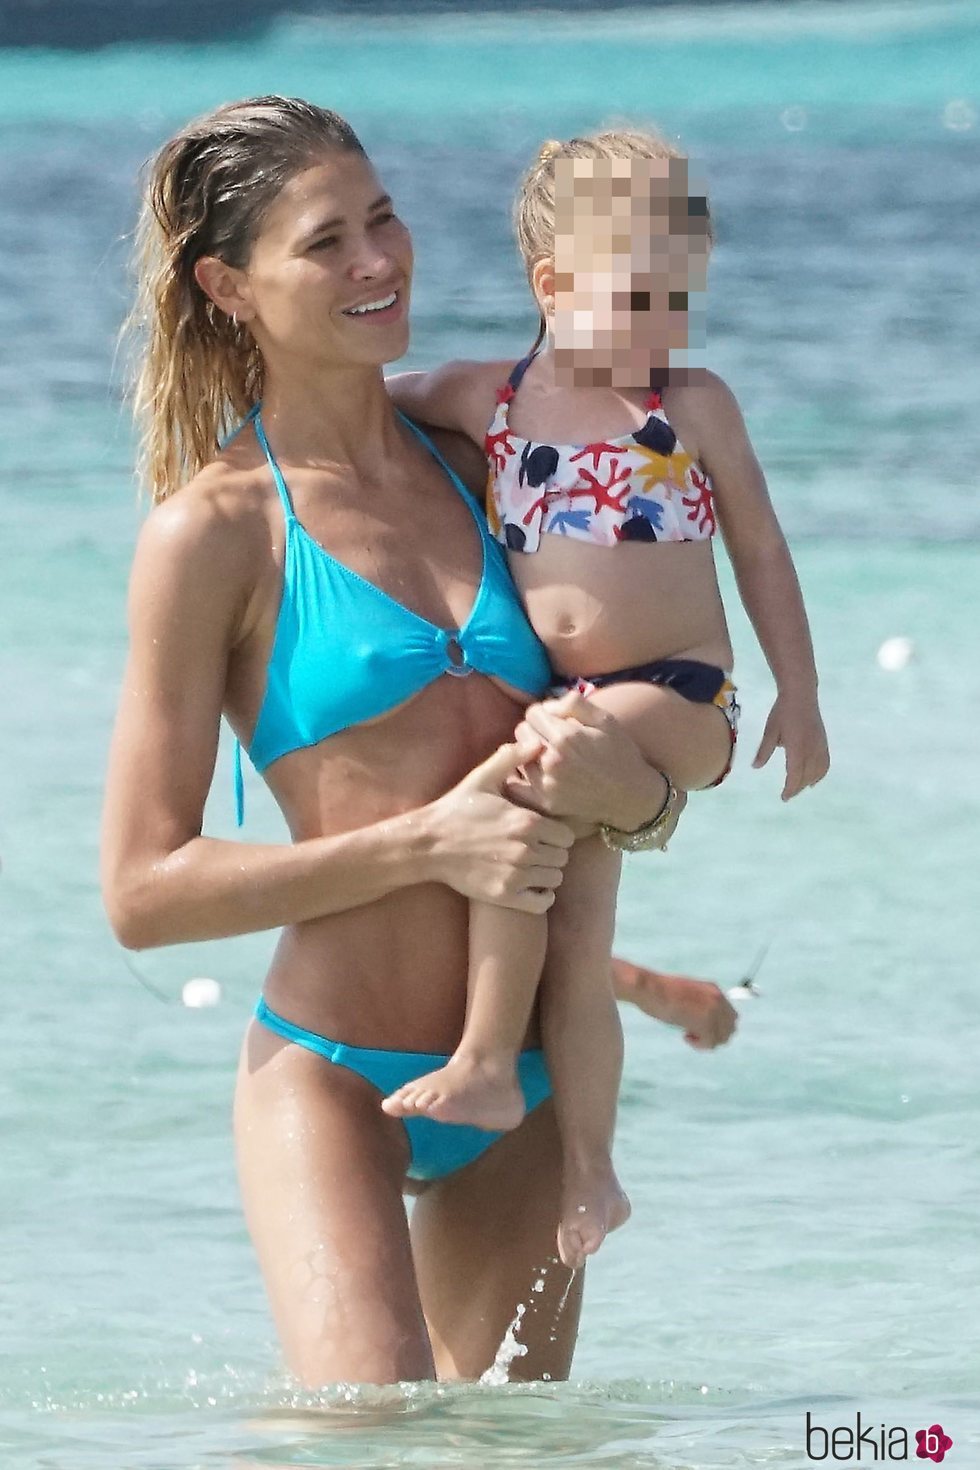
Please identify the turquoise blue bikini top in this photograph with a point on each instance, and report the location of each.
(345, 652)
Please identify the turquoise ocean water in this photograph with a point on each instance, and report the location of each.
(806, 1200)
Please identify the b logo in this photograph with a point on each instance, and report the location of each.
(932, 1443)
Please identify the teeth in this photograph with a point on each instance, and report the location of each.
(373, 305)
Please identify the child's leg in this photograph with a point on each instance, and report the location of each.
(479, 1085)
(584, 1045)
(689, 742)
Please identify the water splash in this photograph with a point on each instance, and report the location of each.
(510, 1348)
(498, 1372)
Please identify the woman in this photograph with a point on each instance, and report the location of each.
(275, 269)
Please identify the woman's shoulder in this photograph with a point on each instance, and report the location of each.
(225, 502)
(212, 533)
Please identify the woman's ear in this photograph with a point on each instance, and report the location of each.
(226, 286)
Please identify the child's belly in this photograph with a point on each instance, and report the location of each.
(599, 608)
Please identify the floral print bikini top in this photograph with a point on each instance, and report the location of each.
(639, 487)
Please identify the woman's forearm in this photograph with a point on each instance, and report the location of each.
(211, 888)
(471, 838)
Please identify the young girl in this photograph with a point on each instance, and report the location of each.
(609, 470)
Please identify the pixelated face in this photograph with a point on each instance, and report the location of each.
(631, 249)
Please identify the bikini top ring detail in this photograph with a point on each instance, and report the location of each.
(344, 651)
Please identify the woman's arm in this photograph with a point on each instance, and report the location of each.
(768, 585)
(163, 881)
(459, 395)
(585, 766)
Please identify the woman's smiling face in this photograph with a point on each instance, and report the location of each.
(329, 273)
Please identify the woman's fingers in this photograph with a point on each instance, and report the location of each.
(504, 763)
(549, 834)
(541, 877)
(542, 721)
(532, 902)
(491, 774)
(576, 706)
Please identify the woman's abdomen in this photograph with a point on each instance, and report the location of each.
(390, 974)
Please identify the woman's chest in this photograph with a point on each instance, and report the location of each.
(421, 545)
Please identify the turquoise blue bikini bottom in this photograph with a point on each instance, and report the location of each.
(437, 1149)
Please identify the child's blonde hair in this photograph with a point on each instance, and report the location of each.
(534, 206)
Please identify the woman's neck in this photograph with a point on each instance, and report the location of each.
(340, 417)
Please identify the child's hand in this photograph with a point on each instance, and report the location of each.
(795, 724)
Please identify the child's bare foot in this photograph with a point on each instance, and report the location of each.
(592, 1204)
(481, 1091)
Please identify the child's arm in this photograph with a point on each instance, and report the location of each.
(768, 586)
(458, 395)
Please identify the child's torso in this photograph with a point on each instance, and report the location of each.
(609, 541)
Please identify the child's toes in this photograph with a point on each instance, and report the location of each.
(399, 1102)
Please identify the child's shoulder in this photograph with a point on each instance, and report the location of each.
(701, 387)
(704, 411)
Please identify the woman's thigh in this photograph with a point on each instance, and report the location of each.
(483, 1238)
(321, 1169)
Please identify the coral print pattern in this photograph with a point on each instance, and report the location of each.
(640, 487)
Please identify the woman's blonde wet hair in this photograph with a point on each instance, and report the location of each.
(534, 206)
(199, 371)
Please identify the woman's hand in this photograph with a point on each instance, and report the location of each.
(794, 723)
(584, 766)
(487, 848)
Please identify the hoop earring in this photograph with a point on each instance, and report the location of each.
(234, 320)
